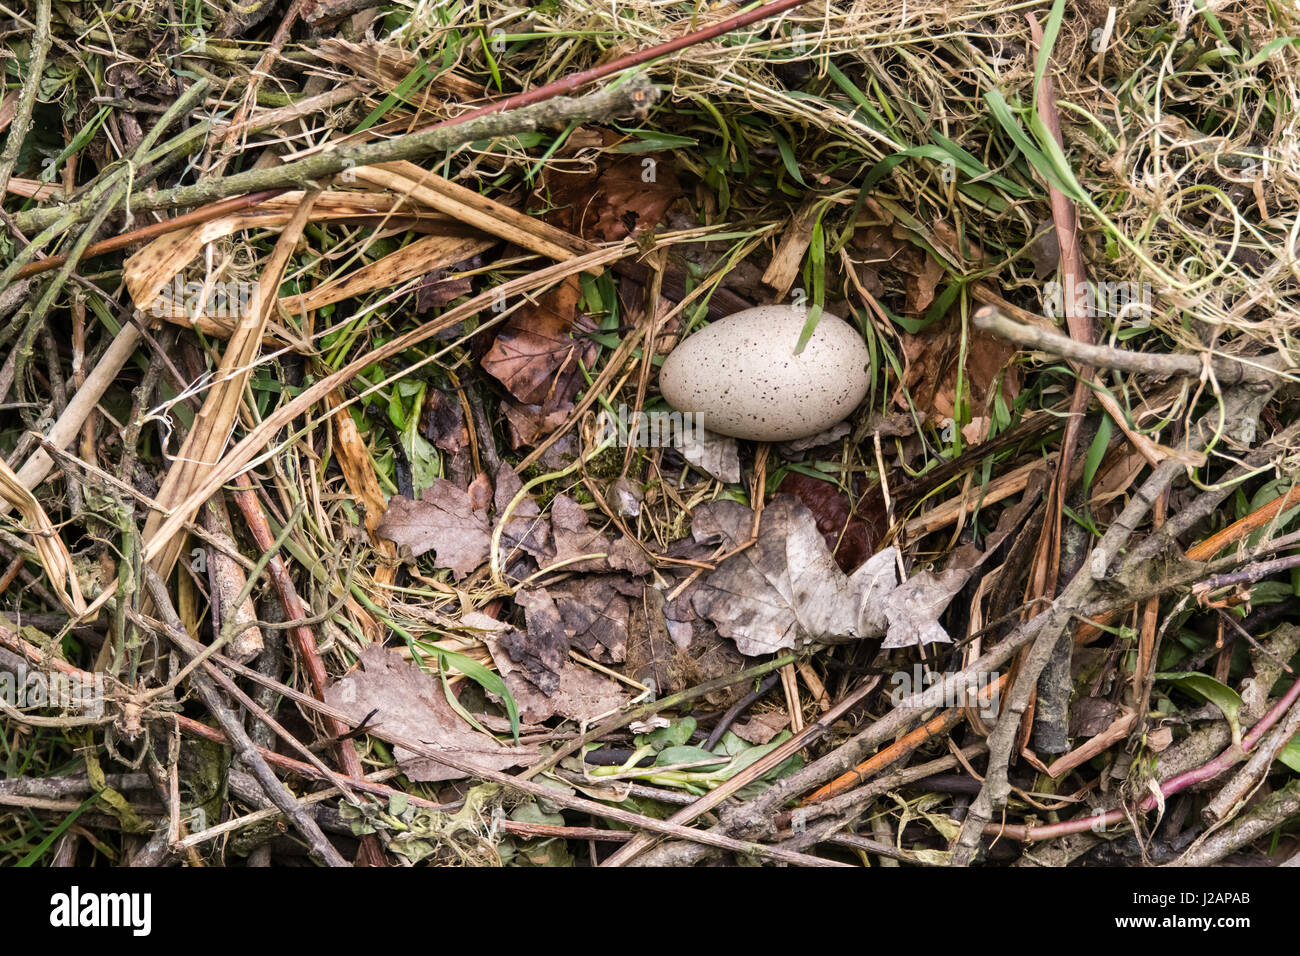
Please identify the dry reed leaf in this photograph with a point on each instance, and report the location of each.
(49, 546)
(161, 260)
(8, 108)
(157, 265)
(465, 205)
(201, 452)
(413, 260)
(358, 470)
(788, 258)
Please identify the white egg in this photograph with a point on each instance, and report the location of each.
(741, 377)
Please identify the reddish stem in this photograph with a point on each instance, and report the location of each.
(304, 640)
(114, 243)
(581, 78)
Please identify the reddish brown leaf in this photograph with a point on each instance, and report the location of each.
(527, 424)
(534, 355)
(852, 537)
(480, 492)
(435, 292)
(931, 360)
(624, 195)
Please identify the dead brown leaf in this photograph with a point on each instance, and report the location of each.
(579, 692)
(534, 355)
(761, 728)
(408, 703)
(543, 649)
(442, 421)
(575, 537)
(595, 614)
(443, 521)
(526, 532)
(623, 196)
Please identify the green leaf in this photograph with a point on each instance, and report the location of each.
(490, 681)
(857, 96)
(39, 850)
(1036, 157)
(675, 734)
(1269, 49)
(651, 141)
(1207, 688)
(1290, 754)
(671, 756)
(1096, 451)
(1049, 40)
(949, 153)
(787, 157)
(817, 268)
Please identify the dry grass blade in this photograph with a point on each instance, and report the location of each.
(53, 553)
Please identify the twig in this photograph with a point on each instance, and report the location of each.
(607, 104)
(238, 737)
(575, 80)
(22, 121)
(1271, 813)
(809, 735)
(619, 721)
(738, 708)
(113, 243)
(304, 640)
(1235, 791)
(1229, 370)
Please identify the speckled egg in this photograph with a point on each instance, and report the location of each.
(740, 374)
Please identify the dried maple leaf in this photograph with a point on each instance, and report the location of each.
(931, 366)
(670, 647)
(399, 700)
(443, 521)
(921, 286)
(526, 531)
(761, 728)
(526, 424)
(911, 611)
(480, 492)
(785, 589)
